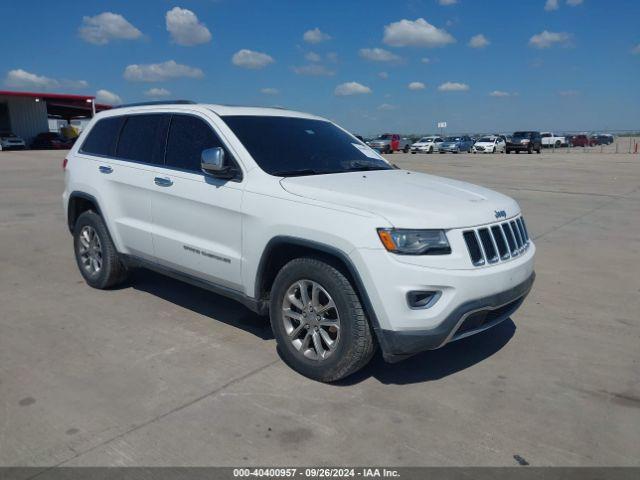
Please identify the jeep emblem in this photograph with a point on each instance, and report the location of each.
(501, 214)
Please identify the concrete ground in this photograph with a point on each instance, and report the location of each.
(161, 373)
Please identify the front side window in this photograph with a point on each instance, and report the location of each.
(188, 137)
(285, 146)
(142, 138)
(103, 136)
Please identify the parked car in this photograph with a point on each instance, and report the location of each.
(426, 145)
(10, 141)
(301, 234)
(583, 141)
(51, 141)
(456, 144)
(391, 142)
(489, 145)
(550, 139)
(524, 141)
(604, 138)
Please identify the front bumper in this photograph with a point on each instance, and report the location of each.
(468, 319)
(451, 149)
(425, 149)
(471, 299)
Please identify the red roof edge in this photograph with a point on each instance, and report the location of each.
(44, 96)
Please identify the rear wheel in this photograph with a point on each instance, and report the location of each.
(406, 150)
(430, 149)
(318, 321)
(95, 253)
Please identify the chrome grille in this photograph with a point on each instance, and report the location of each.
(497, 242)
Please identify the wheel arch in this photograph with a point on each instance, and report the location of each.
(80, 202)
(281, 249)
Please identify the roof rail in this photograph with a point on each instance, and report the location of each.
(159, 102)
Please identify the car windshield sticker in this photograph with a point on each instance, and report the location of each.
(367, 151)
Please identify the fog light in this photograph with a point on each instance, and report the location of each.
(418, 299)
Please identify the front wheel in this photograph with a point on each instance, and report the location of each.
(430, 149)
(318, 321)
(406, 150)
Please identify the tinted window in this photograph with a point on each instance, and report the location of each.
(188, 137)
(102, 137)
(143, 137)
(286, 146)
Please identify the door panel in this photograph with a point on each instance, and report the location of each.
(197, 218)
(197, 226)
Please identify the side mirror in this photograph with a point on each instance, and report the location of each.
(212, 161)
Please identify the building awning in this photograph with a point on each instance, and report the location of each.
(61, 104)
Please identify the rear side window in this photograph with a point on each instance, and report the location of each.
(142, 138)
(103, 136)
(188, 137)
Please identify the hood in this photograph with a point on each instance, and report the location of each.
(450, 144)
(420, 144)
(484, 144)
(380, 142)
(406, 199)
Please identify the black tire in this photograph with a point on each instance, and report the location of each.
(406, 150)
(430, 149)
(112, 271)
(356, 343)
(507, 151)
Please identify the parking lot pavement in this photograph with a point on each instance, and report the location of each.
(161, 373)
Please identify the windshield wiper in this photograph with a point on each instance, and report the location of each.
(299, 172)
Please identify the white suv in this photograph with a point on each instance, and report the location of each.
(295, 218)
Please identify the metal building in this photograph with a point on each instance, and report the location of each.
(27, 113)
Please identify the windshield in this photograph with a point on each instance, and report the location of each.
(486, 139)
(452, 139)
(425, 140)
(384, 137)
(285, 146)
(523, 134)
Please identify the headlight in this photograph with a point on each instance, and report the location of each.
(414, 242)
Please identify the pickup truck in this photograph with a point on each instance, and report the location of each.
(524, 141)
(390, 142)
(550, 139)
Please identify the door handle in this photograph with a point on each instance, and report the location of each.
(105, 169)
(163, 181)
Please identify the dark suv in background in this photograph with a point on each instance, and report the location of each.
(525, 141)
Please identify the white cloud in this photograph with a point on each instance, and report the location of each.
(636, 50)
(107, 26)
(574, 3)
(185, 28)
(447, 2)
(314, 70)
(425, 60)
(453, 87)
(416, 86)
(351, 88)
(386, 107)
(110, 98)
(568, 93)
(269, 91)
(378, 55)
(157, 93)
(499, 93)
(22, 79)
(75, 84)
(547, 39)
(332, 57)
(551, 5)
(249, 59)
(313, 57)
(418, 33)
(158, 72)
(478, 41)
(315, 36)
(383, 75)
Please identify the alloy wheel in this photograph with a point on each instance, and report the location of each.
(311, 319)
(90, 250)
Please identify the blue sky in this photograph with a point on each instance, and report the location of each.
(574, 65)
